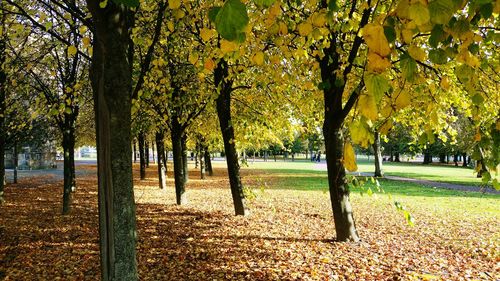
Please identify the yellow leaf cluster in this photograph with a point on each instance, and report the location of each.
(209, 64)
(349, 158)
(402, 100)
(417, 53)
(367, 106)
(228, 46)
(374, 36)
(206, 34)
(258, 58)
(360, 134)
(319, 19)
(174, 4)
(466, 57)
(305, 28)
(445, 83)
(193, 58)
(72, 50)
(377, 63)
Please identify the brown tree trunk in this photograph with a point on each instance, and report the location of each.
(201, 155)
(68, 145)
(16, 160)
(142, 157)
(208, 161)
(180, 191)
(135, 151)
(162, 173)
(3, 90)
(464, 163)
(111, 84)
(184, 153)
(223, 103)
(146, 151)
(378, 156)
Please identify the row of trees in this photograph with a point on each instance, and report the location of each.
(259, 72)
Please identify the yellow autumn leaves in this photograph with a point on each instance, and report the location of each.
(378, 47)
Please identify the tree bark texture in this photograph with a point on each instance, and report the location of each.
(16, 161)
(146, 151)
(378, 156)
(184, 153)
(68, 145)
(142, 156)
(162, 173)
(223, 104)
(180, 189)
(208, 161)
(112, 87)
(3, 92)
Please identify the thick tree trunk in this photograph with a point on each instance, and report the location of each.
(396, 157)
(3, 90)
(442, 158)
(180, 192)
(146, 152)
(111, 84)
(162, 173)
(142, 157)
(223, 103)
(345, 226)
(427, 157)
(208, 161)
(378, 156)
(184, 153)
(68, 145)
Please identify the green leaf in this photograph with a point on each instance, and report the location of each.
(390, 33)
(264, 3)
(486, 10)
(128, 3)
(376, 85)
(212, 13)
(333, 6)
(474, 48)
(408, 66)
(441, 11)
(231, 19)
(464, 73)
(437, 35)
(438, 56)
(477, 99)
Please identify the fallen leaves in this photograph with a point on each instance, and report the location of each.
(288, 236)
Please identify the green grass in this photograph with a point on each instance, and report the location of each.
(433, 172)
(311, 176)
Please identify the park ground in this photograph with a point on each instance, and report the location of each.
(288, 236)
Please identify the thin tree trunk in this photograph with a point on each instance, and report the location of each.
(464, 162)
(162, 173)
(146, 151)
(184, 152)
(16, 160)
(153, 151)
(142, 157)
(201, 156)
(111, 79)
(455, 159)
(208, 161)
(223, 103)
(378, 156)
(396, 157)
(135, 151)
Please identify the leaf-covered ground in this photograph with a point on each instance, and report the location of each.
(288, 235)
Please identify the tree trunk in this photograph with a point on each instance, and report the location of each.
(223, 103)
(162, 173)
(142, 157)
(208, 161)
(345, 226)
(396, 157)
(442, 158)
(111, 84)
(16, 160)
(455, 159)
(176, 135)
(378, 156)
(153, 151)
(3, 91)
(68, 145)
(185, 171)
(201, 156)
(427, 157)
(464, 162)
(146, 151)
(135, 151)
